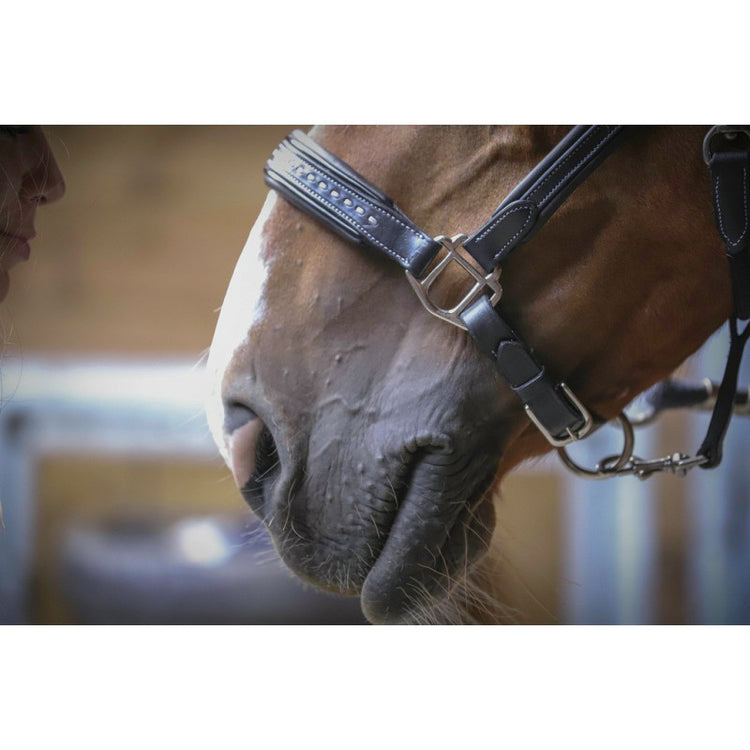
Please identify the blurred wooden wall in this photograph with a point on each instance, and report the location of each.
(137, 255)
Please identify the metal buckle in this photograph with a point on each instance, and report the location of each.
(453, 315)
(730, 132)
(573, 436)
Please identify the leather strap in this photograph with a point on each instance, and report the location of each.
(711, 447)
(514, 221)
(317, 182)
(540, 194)
(730, 175)
(528, 379)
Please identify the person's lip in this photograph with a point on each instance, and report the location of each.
(17, 251)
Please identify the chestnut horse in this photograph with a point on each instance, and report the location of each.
(368, 435)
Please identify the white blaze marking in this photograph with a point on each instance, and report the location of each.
(242, 309)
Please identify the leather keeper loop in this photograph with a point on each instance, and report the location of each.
(537, 197)
(730, 172)
(526, 377)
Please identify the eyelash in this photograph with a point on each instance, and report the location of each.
(14, 130)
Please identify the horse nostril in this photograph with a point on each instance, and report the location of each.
(242, 430)
(243, 448)
(236, 415)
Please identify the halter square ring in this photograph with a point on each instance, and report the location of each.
(453, 315)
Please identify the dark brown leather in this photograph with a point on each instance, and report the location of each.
(322, 185)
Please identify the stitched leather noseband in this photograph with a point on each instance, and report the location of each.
(317, 182)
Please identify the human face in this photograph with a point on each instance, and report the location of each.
(29, 177)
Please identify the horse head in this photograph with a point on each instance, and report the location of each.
(367, 434)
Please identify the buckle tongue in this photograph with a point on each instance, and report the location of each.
(482, 281)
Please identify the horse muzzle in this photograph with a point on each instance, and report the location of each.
(393, 520)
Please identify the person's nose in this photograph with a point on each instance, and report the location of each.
(44, 183)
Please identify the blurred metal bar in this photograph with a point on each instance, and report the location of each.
(719, 543)
(17, 494)
(64, 407)
(611, 537)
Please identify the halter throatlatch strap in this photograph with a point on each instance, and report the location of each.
(730, 176)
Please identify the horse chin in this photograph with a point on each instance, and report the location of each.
(426, 556)
(402, 546)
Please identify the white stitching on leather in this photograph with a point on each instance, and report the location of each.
(718, 209)
(502, 217)
(561, 165)
(372, 205)
(497, 255)
(349, 219)
(596, 148)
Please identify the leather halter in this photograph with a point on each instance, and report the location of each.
(317, 182)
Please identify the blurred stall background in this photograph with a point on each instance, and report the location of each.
(117, 508)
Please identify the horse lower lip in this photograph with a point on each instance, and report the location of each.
(408, 568)
(427, 528)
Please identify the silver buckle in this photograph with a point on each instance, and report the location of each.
(573, 436)
(453, 315)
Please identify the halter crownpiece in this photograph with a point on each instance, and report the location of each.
(318, 183)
